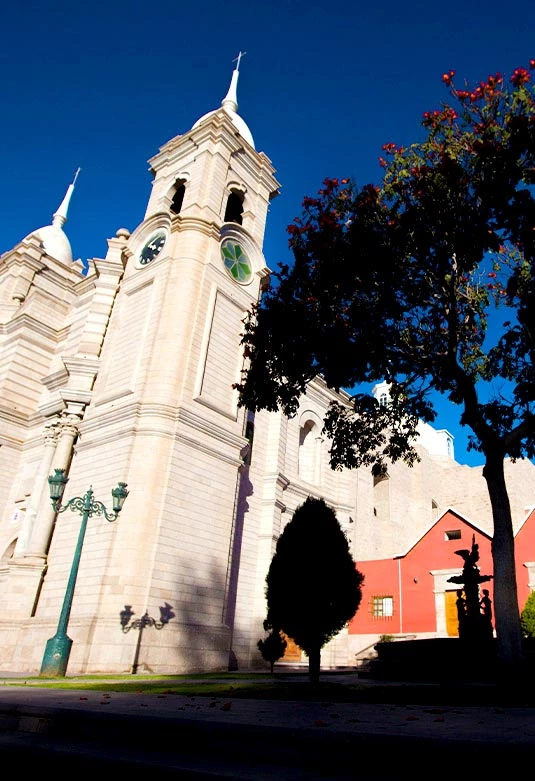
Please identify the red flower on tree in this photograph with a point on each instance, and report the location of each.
(520, 76)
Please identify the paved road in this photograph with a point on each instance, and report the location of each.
(204, 737)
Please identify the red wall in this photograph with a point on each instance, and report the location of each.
(380, 579)
(524, 551)
(416, 612)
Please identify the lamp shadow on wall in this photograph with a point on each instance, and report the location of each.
(140, 624)
(206, 606)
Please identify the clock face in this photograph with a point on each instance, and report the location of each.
(153, 247)
(236, 261)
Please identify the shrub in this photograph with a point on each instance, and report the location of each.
(273, 647)
(527, 617)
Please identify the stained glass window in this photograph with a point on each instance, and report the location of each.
(236, 261)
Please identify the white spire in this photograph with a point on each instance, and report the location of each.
(53, 239)
(60, 216)
(230, 105)
(230, 101)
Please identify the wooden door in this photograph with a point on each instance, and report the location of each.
(292, 652)
(452, 619)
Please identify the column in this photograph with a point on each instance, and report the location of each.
(26, 572)
(44, 522)
(40, 487)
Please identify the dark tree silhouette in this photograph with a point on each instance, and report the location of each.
(273, 646)
(313, 587)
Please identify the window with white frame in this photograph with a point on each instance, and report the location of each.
(382, 607)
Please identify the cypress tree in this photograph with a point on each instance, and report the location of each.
(313, 587)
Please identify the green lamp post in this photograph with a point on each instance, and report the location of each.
(58, 648)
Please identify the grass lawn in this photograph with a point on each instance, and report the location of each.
(284, 687)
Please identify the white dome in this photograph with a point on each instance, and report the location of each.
(55, 243)
(237, 121)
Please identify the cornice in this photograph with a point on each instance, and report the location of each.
(31, 325)
(56, 379)
(182, 223)
(89, 281)
(140, 419)
(273, 504)
(276, 478)
(13, 417)
(317, 389)
(134, 417)
(195, 444)
(259, 171)
(209, 428)
(78, 396)
(110, 417)
(21, 257)
(82, 366)
(217, 129)
(107, 267)
(305, 492)
(171, 146)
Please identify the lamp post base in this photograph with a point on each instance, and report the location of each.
(56, 656)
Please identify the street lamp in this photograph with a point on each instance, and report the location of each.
(58, 648)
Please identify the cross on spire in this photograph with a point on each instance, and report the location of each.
(238, 59)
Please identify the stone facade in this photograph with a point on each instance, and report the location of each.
(125, 373)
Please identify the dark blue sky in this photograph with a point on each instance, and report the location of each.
(322, 87)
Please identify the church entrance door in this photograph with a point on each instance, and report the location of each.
(452, 620)
(293, 652)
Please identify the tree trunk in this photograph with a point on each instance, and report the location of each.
(506, 611)
(314, 658)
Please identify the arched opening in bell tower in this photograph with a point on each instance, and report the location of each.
(234, 210)
(178, 197)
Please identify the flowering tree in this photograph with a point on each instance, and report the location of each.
(428, 282)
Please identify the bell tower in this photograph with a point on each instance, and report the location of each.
(162, 414)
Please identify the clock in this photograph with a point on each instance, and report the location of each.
(152, 247)
(236, 261)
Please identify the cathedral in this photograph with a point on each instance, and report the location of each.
(121, 374)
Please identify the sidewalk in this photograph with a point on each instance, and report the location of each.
(207, 737)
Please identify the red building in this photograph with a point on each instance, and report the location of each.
(410, 595)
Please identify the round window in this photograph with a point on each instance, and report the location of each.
(236, 261)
